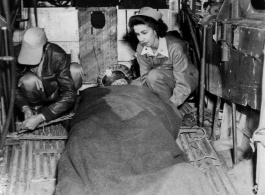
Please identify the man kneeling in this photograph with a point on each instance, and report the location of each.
(47, 81)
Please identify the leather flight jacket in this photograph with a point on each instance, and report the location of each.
(60, 93)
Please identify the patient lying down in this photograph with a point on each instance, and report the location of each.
(122, 142)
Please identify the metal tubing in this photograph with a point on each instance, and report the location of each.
(1, 90)
(5, 74)
(235, 10)
(3, 80)
(15, 15)
(223, 32)
(193, 35)
(259, 138)
(234, 133)
(193, 6)
(179, 6)
(5, 92)
(216, 117)
(6, 58)
(35, 12)
(4, 29)
(225, 52)
(202, 78)
(13, 77)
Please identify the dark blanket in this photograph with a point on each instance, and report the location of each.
(122, 141)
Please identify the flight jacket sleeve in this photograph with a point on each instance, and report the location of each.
(20, 100)
(67, 90)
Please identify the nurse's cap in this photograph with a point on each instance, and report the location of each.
(150, 12)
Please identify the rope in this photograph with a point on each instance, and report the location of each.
(211, 157)
(194, 130)
(63, 118)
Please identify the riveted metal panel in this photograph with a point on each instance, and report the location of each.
(237, 80)
(248, 11)
(225, 11)
(251, 40)
(70, 47)
(241, 79)
(60, 24)
(61, 27)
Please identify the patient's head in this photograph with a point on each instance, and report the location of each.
(120, 82)
(117, 74)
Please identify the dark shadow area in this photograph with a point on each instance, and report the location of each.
(132, 40)
(258, 4)
(137, 4)
(135, 68)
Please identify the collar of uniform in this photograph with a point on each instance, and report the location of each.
(162, 49)
(148, 51)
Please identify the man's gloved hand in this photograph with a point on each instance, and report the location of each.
(32, 122)
(31, 79)
(27, 112)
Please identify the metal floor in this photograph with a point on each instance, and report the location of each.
(29, 166)
(202, 155)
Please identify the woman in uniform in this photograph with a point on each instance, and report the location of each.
(165, 64)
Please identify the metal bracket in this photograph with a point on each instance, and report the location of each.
(224, 13)
(3, 22)
(6, 58)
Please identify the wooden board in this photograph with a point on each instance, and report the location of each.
(98, 47)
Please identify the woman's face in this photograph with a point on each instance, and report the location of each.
(146, 35)
(120, 82)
